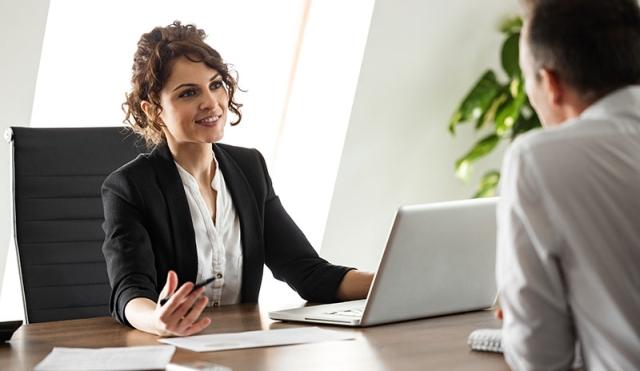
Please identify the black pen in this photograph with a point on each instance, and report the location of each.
(164, 300)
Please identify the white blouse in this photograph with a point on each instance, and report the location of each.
(218, 244)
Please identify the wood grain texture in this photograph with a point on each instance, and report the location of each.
(429, 344)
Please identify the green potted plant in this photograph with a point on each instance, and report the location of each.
(500, 110)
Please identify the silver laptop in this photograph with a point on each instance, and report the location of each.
(439, 259)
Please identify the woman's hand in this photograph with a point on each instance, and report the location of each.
(355, 285)
(179, 316)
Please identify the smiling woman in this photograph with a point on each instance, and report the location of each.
(198, 86)
(194, 208)
(286, 52)
(196, 95)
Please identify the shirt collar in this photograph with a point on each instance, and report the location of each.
(624, 100)
(190, 181)
(217, 177)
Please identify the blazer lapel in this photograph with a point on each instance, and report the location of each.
(179, 217)
(251, 228)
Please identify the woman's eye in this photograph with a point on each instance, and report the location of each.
(216, 85)
(187, 93)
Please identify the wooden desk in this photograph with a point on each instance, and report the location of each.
(430, 344)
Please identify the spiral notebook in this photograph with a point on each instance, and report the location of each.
(486, 340)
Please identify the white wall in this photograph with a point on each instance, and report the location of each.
(420, 60)
(22, 25)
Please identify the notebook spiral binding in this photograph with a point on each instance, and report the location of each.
(486, 340)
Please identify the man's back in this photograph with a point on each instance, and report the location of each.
(572, 196)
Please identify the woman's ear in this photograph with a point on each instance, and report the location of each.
(147, 108)
(151, 111)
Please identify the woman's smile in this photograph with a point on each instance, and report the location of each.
(209, 120)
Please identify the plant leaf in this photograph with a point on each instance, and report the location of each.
(481, 148)
(489, 114)
(509, 112)
(488, 184)
(477, 101)
(511, 25)
(509, 56)
(524, 124)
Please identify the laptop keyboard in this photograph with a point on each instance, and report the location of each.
(355, 312)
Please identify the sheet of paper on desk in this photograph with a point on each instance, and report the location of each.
(256, 339)
(130, 358)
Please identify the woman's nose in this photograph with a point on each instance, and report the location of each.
(210, 100)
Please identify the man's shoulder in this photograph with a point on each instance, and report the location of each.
(547, 140)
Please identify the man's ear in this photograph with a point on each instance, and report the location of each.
(553, 87)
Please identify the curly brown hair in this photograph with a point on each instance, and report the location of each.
(152, 65)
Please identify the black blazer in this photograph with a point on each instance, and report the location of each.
(148, 230)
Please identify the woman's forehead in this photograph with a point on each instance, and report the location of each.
(185, 71)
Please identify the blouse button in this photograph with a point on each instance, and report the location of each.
(219, 275)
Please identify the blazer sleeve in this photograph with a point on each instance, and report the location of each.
(127, 245)
(291, 257)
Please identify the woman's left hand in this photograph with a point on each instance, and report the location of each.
(355, 285)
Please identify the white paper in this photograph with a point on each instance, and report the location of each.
(255, 339)
(130, 358)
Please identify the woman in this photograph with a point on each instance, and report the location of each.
(194, 208)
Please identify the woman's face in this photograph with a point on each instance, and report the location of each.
(194, 103)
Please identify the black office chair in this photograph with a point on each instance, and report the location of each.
(57, 174)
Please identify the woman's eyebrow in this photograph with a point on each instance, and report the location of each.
(189, 84)
(184, 86)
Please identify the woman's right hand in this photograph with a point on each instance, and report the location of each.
(180, 315)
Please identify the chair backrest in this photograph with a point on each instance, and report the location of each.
(57, 175)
